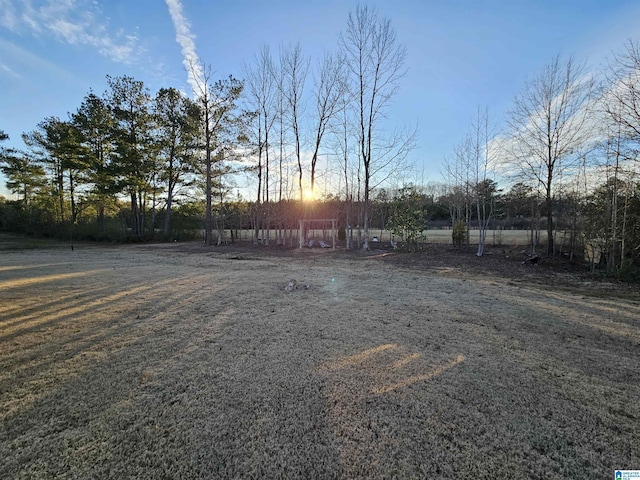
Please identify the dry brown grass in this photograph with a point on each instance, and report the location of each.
(181, 362)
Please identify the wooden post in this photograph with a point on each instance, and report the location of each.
(333, 233)
(300, 223)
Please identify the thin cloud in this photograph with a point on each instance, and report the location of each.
(10, 71)
(29, 64)
(186, 40)
(8, 16)
(76, 22)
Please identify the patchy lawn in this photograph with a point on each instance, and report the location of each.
(174, 361)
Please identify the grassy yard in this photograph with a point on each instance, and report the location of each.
(169, 361)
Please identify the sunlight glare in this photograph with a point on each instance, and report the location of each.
(308, 195)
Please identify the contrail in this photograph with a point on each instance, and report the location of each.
(185, 39)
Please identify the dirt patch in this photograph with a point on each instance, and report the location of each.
(511, 264)
(178, 361)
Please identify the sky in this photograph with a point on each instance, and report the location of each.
(461, 54)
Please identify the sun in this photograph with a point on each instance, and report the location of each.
(308, 195)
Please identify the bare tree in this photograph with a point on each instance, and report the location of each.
(342, 148)
(375, 63)
(281, 114)
(548, 126)
(483, 187)
(281, 119)
(330, 85)
(623, 78)
(261, 96)
(294, 67)
(261, 89)
(465, 174)
(620, 103)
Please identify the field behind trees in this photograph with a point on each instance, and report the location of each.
(178, 361)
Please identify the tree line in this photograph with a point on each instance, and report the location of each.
(129, 164)
(166, 151)
(570, 141)
(125, 144)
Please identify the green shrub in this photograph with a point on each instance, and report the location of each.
(459, 233)
(629, 271)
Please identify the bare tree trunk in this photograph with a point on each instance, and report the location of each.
(134, 212)
(532, 229)
(208, 222)
(72, 199)
(549, 210)
(60, 186)
(167, 216)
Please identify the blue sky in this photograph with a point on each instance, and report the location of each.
(461, 54)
